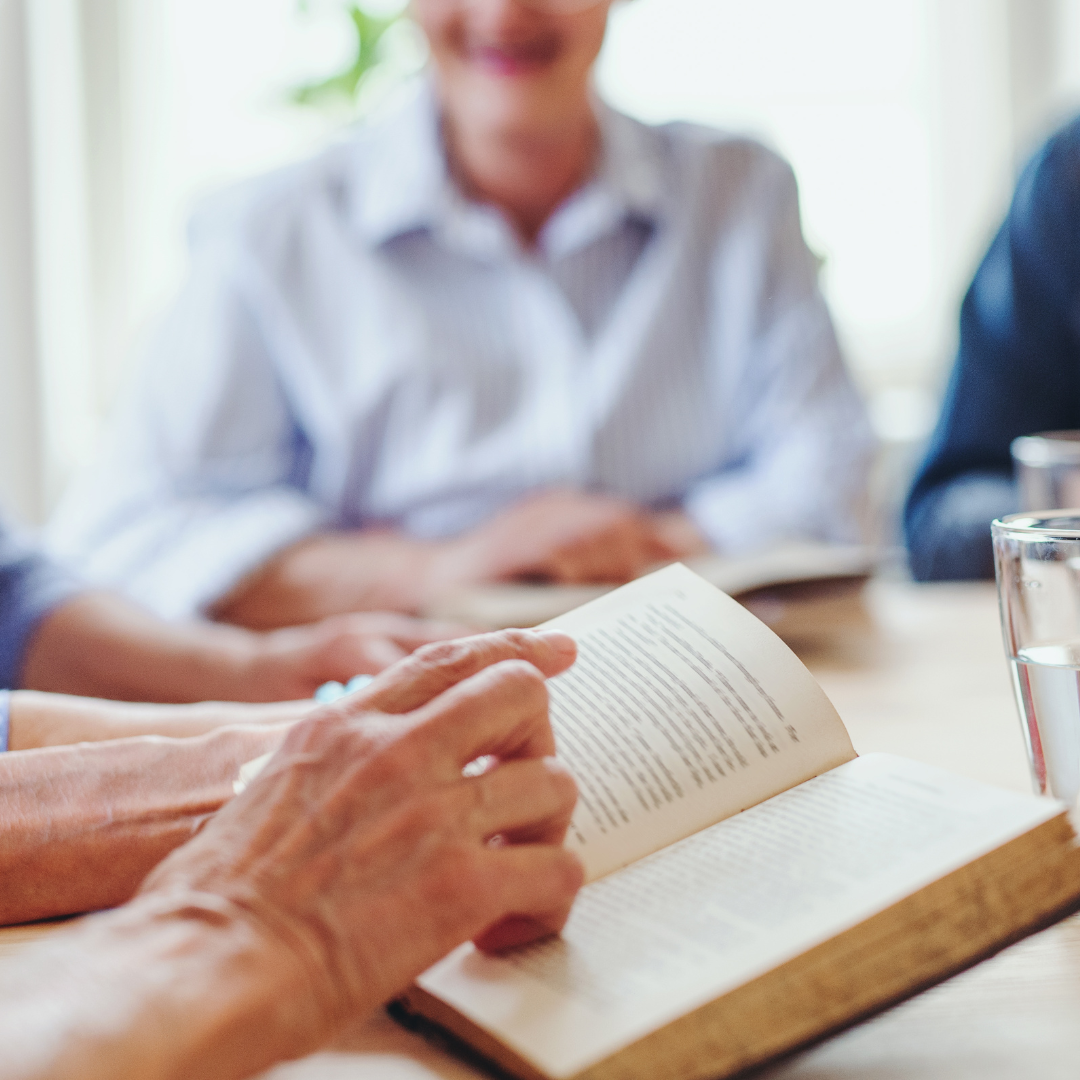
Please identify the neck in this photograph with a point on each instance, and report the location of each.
(525, 173)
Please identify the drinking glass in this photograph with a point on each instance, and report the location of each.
(1037, 558)
(1047, 469)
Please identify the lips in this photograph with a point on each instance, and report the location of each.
(519, 58)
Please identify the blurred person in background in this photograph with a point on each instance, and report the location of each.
(1017, 371)
(503, 333)
(56, 634)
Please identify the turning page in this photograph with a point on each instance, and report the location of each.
(682, 709)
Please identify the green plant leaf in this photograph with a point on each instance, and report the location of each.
(344, 86)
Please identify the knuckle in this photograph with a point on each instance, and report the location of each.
(565, 788)
(316, 730)
(521, 642)
(526, 682)
(387, 767)
(478, 795)
(420, 756)
(569, 873)
(457, 875)
(518, 670)
(448, 658)
(427, 818)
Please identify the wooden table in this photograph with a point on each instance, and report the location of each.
(922, 675)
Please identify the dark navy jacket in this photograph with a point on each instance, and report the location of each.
(1017, 369)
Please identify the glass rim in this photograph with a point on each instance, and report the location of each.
(1038, 525)
(1044, 449)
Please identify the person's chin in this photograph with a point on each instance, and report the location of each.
(515, 94)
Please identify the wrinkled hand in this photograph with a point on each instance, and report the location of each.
(363, 854)
(292, 663)
(562, 536)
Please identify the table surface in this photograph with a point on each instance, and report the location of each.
(922, 674)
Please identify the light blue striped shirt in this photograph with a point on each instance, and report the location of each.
(359, 345)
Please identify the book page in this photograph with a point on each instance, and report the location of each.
(682, 709)
(657, 939)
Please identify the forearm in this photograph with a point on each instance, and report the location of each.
(330, 574)
(167, 986)
(100, 645)
(39, 719)
(83, 825)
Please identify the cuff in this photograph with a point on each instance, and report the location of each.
(180, 560)
(5, 719)
(31, 586)
(948, 531)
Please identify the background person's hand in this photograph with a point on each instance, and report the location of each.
(294, 662)
(362, 853)
(562, 536)
(559, 535)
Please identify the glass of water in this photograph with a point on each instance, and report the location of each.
(1047, 469)
(1037, 556)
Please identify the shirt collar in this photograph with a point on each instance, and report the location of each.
(628, 185)
(402, 183)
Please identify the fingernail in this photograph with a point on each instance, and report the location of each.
(554, 764)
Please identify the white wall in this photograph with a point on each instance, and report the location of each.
(20, 467)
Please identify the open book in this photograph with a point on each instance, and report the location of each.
(752, 883)
(786, 586)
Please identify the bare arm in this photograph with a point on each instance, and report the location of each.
(560, 536)
(100, 645)
(359, 857)
(83, 825)
(39, 720)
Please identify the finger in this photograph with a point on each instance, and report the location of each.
(380, 653)
(502, 711)
(536, 885)
(615, 554)
(433, 669)
(526, 802)
(589, 565)
(408, 632)
(425, 632)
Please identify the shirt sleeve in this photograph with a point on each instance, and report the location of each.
(1017, 370)
(30, 587)
(799, 459)
(204, 472)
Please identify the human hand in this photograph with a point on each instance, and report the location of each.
(361, 853)
(295, 661)
(559, 535)
(357, 570)
(680, 533)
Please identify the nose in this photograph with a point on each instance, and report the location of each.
(545, 7)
